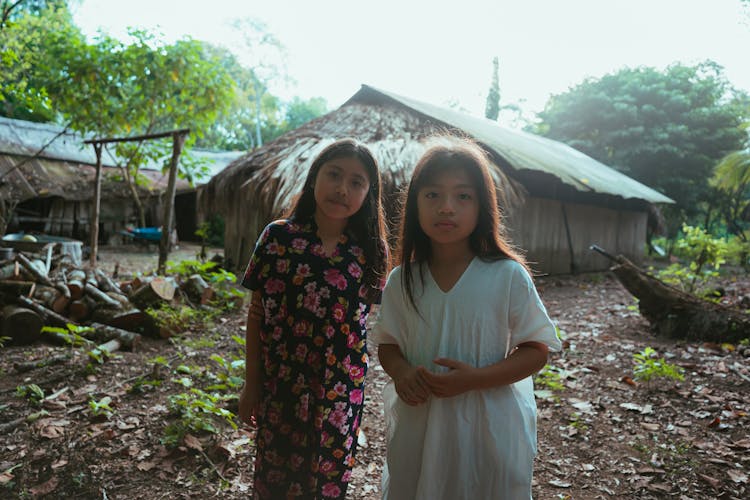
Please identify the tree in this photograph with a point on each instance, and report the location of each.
(665, 129)
(492, 108)
(732, 178)
(265, 56)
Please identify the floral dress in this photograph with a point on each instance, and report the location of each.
(314, 355)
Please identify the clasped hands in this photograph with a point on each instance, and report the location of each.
(417, 384)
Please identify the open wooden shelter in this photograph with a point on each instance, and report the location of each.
(557, 201)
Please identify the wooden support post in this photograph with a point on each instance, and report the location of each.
(97, 204)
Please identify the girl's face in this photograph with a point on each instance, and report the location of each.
(341, 187)
(448, 207)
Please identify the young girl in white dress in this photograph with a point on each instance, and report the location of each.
(461, 330)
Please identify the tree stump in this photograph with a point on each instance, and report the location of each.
(20, 324)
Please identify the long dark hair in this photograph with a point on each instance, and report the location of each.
(488, 241)
(367, 225)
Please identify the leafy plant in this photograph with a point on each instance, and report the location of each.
(71, 334)
(705, 253)
(649, 366)
(32, 392)
(3, 340)
(176, 319)
(101, 408)
(197, 411)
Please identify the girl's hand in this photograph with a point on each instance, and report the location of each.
(249, 404)
(411, 387)
(444, 385)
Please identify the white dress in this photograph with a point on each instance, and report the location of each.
(480, 444)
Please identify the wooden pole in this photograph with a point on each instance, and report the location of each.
(97, 204)
(178, 140)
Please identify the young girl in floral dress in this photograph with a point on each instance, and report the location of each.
(314, 276)
(461, 329)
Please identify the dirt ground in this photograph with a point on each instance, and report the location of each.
(600, 436)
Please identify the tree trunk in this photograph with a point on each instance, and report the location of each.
(157, 291)
(674, 313)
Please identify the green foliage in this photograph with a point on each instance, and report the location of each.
(197, 411)
(211, 231)
(32, 392)
(705, 255)
(731, 177)
(71, 334)
(649, 366)
(549, 377)
(666, 129)
(176, 318)
(227, 296)
(3, 341)
(101, 408)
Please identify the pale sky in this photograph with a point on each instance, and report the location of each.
(441, 51)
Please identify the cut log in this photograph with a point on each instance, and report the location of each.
(154, 293)
(76, 282)
(106, 283)
(121, 298)
(100, 296)
(39, 275)
(15, 288)
(48, 315)
(131, 340)
(198, 290)
(10, 272)
(78, 310)
(26, 366)
(20, 324)
(674, 313)
(131, 319)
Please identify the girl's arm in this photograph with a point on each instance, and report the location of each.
(410, 385)
(250, 396)
(527, 359)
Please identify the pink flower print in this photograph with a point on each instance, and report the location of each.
(311, 302)
(320, 312)
(299, 244)
(300, 328)
(277, 333)
(356, 396)
(329, 331)
(334, 278)
(346, 476)
(301, 352)
(354, 270)
(303, 270)
(327, 466)
(339, 389)
(295, 490)
(274, 285)
(310, 287)
(324, 292)
(275, 476)
(348, 443)
(282, 266)
(284, 370)
(352, 340)
(296, 460)
(337, 418)
(303, 412)
(273, 416)
(331, 490)
(356, 251)
(356, 372)
(346, 362)
(274, 248)
(316, 249)
(339, 313)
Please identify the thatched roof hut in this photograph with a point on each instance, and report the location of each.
(50, 172)
(560, 200)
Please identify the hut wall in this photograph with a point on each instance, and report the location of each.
(539, 228)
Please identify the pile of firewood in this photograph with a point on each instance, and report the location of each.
(32, 296)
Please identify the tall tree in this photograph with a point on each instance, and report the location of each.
(265, 56)
(666, 129)
(732, 178)
(492, 108)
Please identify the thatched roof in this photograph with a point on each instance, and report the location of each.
(394, 128)
(65, 165)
